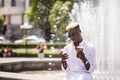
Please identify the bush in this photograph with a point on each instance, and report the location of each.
(30, 49)
(32, 45)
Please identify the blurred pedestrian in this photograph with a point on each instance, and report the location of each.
(2, 52)
(41, 46)
(7, 52)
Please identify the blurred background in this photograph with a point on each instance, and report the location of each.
(25, 23)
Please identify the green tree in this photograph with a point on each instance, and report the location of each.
(38, 14)
(59, 17)
(1, 23)
(48, 14)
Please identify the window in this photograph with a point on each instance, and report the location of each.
(2, 3)
(13, 2)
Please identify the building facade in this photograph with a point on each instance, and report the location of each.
(13, 11)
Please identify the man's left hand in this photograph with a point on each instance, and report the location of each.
(81, 55)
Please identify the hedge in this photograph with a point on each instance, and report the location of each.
(30, 52)
(32, 45)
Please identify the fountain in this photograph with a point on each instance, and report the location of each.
(100, 25)
(99, 21)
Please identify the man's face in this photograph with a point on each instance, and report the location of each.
(74, 35)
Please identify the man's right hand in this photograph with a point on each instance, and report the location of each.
(64, 56)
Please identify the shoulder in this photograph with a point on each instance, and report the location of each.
(68, 45)
(89, 45)
(67, 48)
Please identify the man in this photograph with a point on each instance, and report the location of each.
(78, 57)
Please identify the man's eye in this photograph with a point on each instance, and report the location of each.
(68, 35)
(71, 35)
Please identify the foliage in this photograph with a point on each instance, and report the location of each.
(33, 51)
(35, 54)
(38, 15)
(32, 45)
(20, 49)
(39, 11)
(59, 17)
(1, 23)
(48, 14)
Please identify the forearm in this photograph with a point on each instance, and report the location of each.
(64, 63)
(86, 63)
(81, 56)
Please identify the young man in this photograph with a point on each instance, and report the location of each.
(78, 57)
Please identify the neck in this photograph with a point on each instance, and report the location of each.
(77, 42)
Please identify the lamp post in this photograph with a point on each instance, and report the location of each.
(25, 26)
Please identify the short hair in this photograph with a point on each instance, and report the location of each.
(74, 25)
